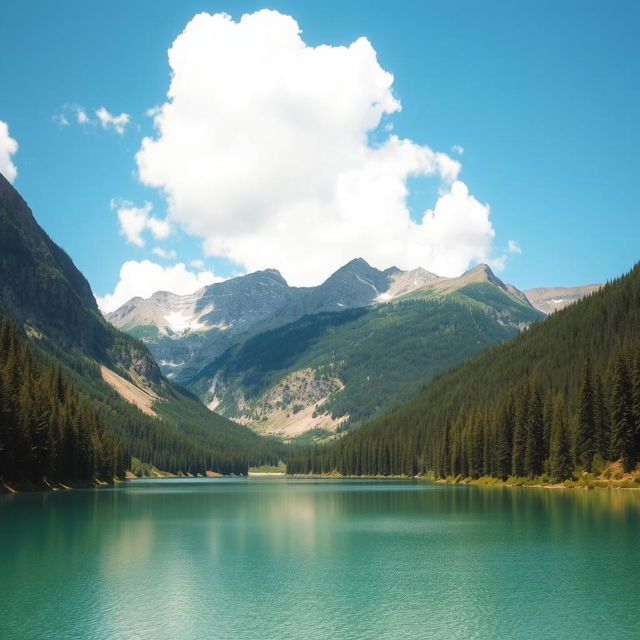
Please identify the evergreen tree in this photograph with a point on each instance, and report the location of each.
(635, 409)
(602, 420)
(504, 438)
(586, 433)
(623, 428)
(560, 450)
(521, 420)
(534, 447)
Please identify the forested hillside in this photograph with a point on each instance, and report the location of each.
(560, 397)
(363, 362)
(64, 423)
(47, 429)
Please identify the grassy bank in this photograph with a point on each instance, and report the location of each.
(609, 479)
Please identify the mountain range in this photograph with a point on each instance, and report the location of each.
(312, 362)
(186, 333)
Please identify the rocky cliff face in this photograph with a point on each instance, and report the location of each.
(291, 407)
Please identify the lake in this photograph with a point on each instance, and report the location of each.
(274, 558)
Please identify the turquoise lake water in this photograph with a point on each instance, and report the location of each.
(275, 558)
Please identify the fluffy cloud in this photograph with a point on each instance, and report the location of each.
(109, 121)
(8, 146)
(145, 278)
(135, 220)
(457, 149)
(264, 150)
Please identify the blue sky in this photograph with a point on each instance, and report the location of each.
(543, 97)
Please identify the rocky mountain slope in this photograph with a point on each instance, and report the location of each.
(552, 299)
(51, 301)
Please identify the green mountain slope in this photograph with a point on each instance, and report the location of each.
(333, 371)
(47, 429)
(563, 396)
(51, 301)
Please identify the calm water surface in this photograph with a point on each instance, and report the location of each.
(319, 560)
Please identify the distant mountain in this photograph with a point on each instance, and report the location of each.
(51, 301)
(560, 399)
(552, 299)
(332, 371)
(187, 333)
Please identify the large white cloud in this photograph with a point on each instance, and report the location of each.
(264, 150)
(8, 146)
(145, 278)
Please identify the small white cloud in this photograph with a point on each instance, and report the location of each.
(110, 121)
(514, 247)
(197, 264)
(144, 278)
(8, 146)
(457, 149)
(81, 116)
(166, 254)
(135, 220)
(104, 119)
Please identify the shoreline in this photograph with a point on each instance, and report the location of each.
(585, 484)
(266, 474)
(12, 488)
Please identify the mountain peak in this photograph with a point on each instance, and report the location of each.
(479, 269)
(266, 274)
(356, 263)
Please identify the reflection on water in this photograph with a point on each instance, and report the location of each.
(273, 558)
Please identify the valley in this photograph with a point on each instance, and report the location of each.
(368, 339)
